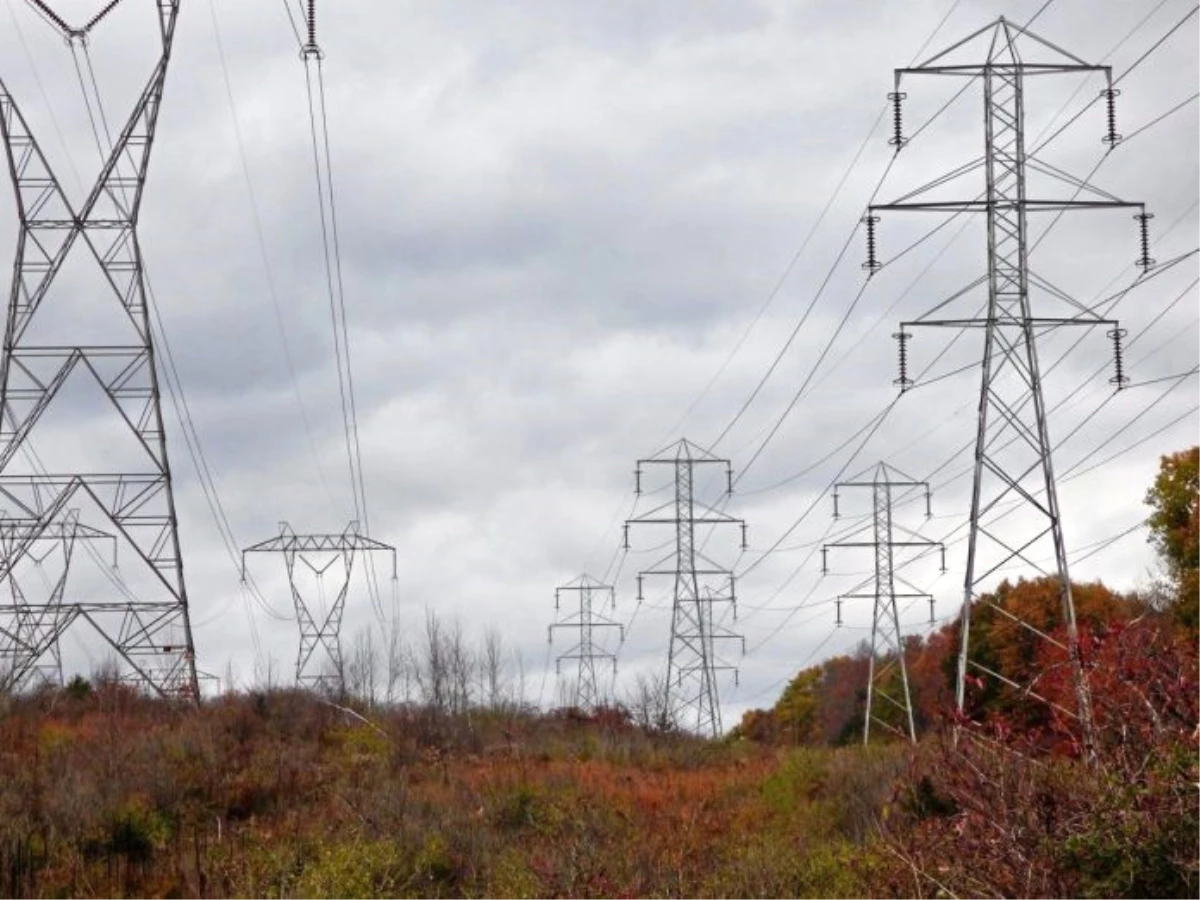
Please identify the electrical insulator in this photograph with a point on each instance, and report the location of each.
(1146, 261)
(310, 49)
(838, 620)
(897, 139)
(1112, 138)
(872, 265)
(902, 339)
(1119, 378)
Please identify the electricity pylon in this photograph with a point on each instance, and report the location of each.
(700, 583)
(587, 621)
(50, 350)
(320, 625)
(887, 641)
(1013, 472)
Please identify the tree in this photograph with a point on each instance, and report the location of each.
(1175, 531)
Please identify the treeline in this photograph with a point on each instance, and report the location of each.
(1138, 651)
(1128, 645)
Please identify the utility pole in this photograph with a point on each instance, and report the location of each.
(700, 583)
(320, 619)
(887, 642)
(1013, 472)
(49, 345)
(586, 622)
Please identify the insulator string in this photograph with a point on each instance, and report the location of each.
(872, 265)
(902, 338)
(1146, 261)
(1112, 138)
(897, 139)
(1119, 379)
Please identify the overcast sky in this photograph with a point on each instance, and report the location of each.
(559, 221)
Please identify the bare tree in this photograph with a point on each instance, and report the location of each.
(431, 669)
(399, 669)
(647, 702)
(461, 665)
(363, 666)
(493, 671)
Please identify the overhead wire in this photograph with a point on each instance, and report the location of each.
(264, 256)
(1144, 57)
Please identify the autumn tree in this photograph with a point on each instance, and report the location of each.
(1174, 530)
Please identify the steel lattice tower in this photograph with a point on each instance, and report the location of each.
(586, 621)
(133, 497)
(700, 583)
(320, 629)
(1013, 471)
(887, 641)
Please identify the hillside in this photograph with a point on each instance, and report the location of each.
(104, 792)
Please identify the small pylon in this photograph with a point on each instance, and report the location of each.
(887, 641)
(700, 583)
(320, 627)
(587, 692)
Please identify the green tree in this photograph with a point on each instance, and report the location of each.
(1174, 529)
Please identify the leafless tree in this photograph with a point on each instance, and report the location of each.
(363, 666)
(399, 666)
(495, 683)
(647, 702)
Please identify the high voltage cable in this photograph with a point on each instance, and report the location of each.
(1157, 45)
(821, 289)
(268, 270)
(787, 270)
(318, 117)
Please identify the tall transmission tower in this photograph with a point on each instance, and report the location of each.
(77, 272)
(320, 617)
(587, 621)
(887, 641)
(700, 584)
(1013, 472)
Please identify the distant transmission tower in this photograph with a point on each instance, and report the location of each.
(1014, 475)
(586, 621)
(320, 617)
(50, 350)
(700, 583)
(887, 642)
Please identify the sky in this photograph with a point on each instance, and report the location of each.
(575, 233)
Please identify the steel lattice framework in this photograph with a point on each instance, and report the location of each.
(587, 621)
(152, 636)
(700, 584)
(320, 629)
(887, 640)
(1013, 471)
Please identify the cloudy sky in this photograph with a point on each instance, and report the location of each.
(573, 233)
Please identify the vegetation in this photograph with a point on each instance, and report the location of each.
(436, 780)
(281, 794)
